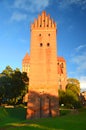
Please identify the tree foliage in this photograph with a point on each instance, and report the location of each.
(13, 85)
(7, 71)
(70, 97)
(74, 85)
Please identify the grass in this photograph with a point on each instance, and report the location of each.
(14, 119)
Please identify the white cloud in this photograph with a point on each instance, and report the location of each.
(83, 82)
(16, 16)
(24, 8)
(31, 5)
(79, 60)
(80, 47)
(68, 3)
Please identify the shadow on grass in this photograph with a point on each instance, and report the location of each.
(66, 122)
(17, 113)
(15, 120)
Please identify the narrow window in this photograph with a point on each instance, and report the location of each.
(41, 44)
(47, 25)
(48, 44)
(40, 25)
(39, 34)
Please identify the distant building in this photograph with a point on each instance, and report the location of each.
(83, 97)
(26, 64)
(46, 70)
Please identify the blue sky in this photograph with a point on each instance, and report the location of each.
(70, 16)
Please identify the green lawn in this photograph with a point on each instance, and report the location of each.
(14, 119)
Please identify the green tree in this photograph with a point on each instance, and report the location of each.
(5, 87)
(61, 97)
(7, 71)
(2, 93)
(19, 85)
(73, 88)
(74, 85)
(69, 98)
(13, 84)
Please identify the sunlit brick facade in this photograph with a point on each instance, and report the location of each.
(61, 70)
(46, 71)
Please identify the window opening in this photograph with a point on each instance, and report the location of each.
(39, 34)
(41, 44)
(48, 44)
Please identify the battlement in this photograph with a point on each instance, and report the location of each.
(43, 21)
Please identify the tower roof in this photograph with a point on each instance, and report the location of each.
(26, 58)
(60, 59)
(43, 20)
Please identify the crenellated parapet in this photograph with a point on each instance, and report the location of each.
(43, 21)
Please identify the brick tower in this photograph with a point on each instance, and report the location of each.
(43, 84)
(26, 64)
(62, 75)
